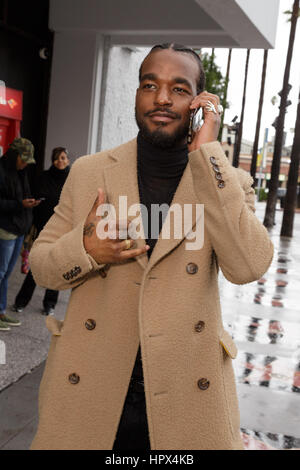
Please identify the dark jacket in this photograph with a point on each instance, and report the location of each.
(14, 187)
(49, 186)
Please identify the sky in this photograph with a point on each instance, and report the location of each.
(274, 80)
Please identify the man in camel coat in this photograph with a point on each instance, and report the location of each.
(159, 297)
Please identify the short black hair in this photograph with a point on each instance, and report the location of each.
(180, 48)
(56, 153)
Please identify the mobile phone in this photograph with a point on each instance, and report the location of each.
(41, 199)
(197, 120)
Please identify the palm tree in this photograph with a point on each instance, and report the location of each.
(237, 146)
(291, 194)
(212, 59)
(272, 195)
(224, 99)
(258, 123)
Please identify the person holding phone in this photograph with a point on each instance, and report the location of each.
(16, 206)
(47, 190)
(142, 360)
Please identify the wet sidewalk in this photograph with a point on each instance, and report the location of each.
(263, 317)
(264, 320)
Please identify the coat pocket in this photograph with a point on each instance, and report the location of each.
(228, 344)
(228, 351)
(54, 326)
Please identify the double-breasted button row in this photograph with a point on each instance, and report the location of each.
(72, 273)
(203, 383)
(191, 268)
(218, 174)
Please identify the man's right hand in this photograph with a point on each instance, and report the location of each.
(107, 250)
(30, 203)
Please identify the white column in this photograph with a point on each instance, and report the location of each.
(75, 92)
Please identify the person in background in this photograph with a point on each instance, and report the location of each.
(16, 206)
(48, 190)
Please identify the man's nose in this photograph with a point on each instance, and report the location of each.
(163, 97)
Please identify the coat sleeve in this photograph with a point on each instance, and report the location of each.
(242, 245)
(58, 259)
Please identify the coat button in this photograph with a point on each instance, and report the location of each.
(90, 324)
(219, 176)
(213, 160)
(221, 184)
(203, 384)
(192, 268)
(74, 379)
(216, 168)
(199, 327)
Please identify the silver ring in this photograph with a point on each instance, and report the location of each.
(220, 109)
(210, 107)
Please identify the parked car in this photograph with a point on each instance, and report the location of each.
(281, 193)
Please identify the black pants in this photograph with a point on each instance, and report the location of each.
(27, 290)
(133, 428)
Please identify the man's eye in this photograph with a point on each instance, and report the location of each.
(180, 90)
(149, 86)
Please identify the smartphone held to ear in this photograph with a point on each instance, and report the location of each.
(196, 121)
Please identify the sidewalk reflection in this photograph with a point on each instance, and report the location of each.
(254, 440)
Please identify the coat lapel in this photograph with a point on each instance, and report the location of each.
(121, 180)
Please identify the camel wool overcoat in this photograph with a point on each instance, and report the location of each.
(169, 304)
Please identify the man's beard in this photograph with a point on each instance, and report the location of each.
(163, 139)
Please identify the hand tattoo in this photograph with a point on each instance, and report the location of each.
(88, 229)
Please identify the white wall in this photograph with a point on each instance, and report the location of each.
(119, 124)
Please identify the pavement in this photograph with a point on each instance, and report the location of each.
(24, 350)
(263, 318)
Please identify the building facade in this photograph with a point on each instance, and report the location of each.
(98, 47)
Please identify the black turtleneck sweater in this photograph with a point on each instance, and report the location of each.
(159, 173)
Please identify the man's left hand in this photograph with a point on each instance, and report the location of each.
(210, 130)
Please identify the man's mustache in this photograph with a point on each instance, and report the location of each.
(172, 114)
